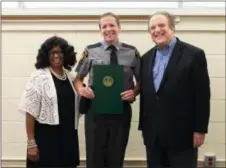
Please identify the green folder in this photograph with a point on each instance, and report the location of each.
(108, 84)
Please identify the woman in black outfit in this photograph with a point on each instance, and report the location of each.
(50, 104)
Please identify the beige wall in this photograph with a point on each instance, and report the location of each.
(21, 40)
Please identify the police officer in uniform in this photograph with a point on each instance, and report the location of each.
(107, 135)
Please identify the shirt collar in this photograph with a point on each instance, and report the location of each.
(117, 45)
(169, 46)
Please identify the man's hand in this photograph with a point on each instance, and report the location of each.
(198, 139)
(128, 95)
(86, 92)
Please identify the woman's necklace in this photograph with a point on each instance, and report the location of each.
(64, 77)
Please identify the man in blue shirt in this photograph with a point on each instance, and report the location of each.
(174, 97)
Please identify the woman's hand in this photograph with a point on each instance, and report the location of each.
(86, 92)
(33, 154)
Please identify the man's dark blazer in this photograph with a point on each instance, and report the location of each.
(181, 106)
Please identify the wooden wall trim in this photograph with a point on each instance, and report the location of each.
(68, 18)
(89, 23)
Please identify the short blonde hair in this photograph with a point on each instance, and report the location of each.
(169, 17)
(110, 14)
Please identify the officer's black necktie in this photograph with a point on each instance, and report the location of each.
(113, 56)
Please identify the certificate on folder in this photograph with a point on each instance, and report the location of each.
(108, 84)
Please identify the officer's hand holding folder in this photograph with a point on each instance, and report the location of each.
(108, 84)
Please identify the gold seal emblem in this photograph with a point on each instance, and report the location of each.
(108, 81)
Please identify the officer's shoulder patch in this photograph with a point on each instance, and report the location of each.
(94, 45)
(83, 56)
(128, 46)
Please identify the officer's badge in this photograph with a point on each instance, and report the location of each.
(83, 56)
(108, 81)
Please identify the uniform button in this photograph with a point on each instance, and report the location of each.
(157, 97)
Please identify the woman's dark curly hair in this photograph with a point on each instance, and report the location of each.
(69, 55)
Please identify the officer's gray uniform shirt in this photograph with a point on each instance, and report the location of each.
(99, 54)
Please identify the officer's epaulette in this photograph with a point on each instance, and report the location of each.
(94, 45)
(128, 46)
(137, 54)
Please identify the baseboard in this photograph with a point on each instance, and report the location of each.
(20, 163)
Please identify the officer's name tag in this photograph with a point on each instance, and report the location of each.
(100, 62)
